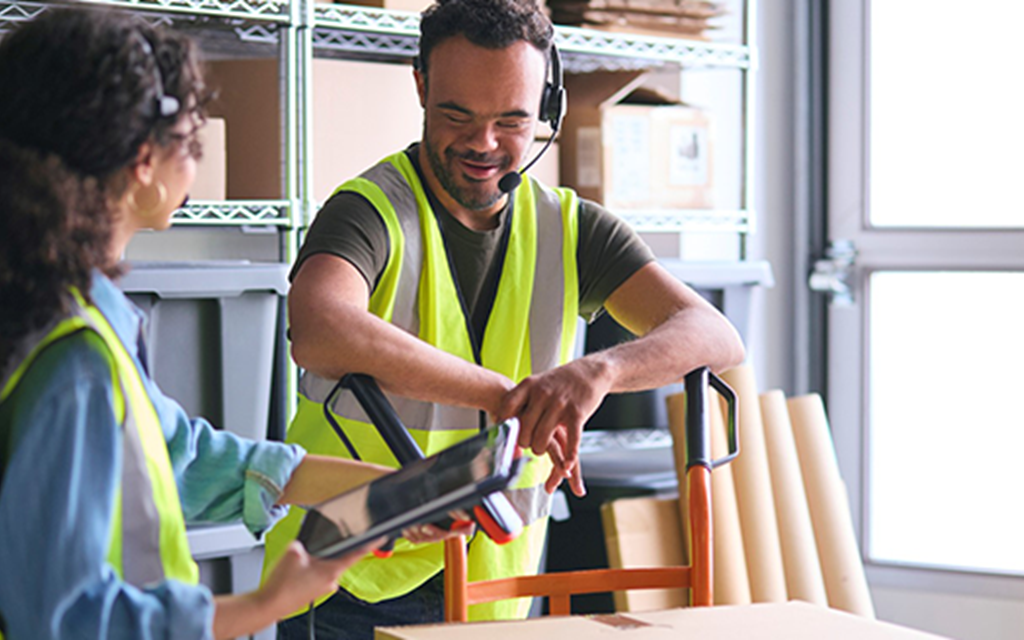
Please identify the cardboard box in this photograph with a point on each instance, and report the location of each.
(211, 176)
(416, 6)
(645, 532)
(249, 101)
(630, 147)
(778, 621)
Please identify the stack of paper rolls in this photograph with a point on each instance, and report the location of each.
(758, 523)
(841, 565)
(796, 533)
(732, 585)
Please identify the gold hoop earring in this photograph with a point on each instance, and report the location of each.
(146, 210)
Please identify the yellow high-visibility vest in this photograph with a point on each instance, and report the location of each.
(531, 328)
(147, 543)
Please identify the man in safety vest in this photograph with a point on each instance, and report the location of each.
(456, 281)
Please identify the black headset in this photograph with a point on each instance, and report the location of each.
(552, 110)
(552, 101)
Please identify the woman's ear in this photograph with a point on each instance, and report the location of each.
(143, 169)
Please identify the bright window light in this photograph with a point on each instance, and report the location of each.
(946, 408)
(946, 130)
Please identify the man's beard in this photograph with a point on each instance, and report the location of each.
(474, 200)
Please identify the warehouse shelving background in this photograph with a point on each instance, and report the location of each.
(301, 30)
(295, 32)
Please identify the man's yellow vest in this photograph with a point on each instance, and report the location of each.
(147, 537)
(531, 328)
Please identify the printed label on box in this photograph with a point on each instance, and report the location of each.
(688, 156)
(588, 157)
(631, 158)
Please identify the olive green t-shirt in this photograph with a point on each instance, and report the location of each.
(348, 226)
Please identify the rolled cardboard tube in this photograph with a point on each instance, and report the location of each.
(676, 405)
(760, 528)
(841, 565)
(804, 580)
(732, 585)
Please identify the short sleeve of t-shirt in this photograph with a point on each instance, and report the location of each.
(349, 227)
(608, 252)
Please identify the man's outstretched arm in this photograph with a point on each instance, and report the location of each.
(678, 331)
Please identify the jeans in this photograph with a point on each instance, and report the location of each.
(346, 617)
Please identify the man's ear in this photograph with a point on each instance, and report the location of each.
(421, 86)
(143, 169)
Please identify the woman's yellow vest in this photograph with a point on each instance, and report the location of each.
(147, 536)
(531, 328)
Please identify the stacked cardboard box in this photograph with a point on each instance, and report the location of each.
(675, 18)
(627, 146)
(392, 5)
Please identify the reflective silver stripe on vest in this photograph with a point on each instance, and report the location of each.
(549, 283)
(402, 198)
(531, 503)
(545, 313)
(414, 414)
(141, 562)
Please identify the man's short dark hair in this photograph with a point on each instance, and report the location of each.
(492, 24)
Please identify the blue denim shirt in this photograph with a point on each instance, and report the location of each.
(59, 488)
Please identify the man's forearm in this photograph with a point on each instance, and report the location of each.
(691, 338)
(401, 363)
(678, 331)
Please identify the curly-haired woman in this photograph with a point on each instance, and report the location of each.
(99, 471)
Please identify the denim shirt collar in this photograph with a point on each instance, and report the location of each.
(124, 317)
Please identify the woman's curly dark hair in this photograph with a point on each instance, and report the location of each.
(83, 84)
(53, 232)
(80, 94)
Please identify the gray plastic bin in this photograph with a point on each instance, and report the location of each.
(216, 346)
(213, 331)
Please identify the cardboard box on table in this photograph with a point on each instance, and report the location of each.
(631, 147)
(777, 621)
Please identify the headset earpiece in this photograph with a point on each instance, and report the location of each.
(552, 101)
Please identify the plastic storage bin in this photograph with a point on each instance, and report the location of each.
(213, 337)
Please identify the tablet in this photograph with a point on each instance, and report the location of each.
(423, 491)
